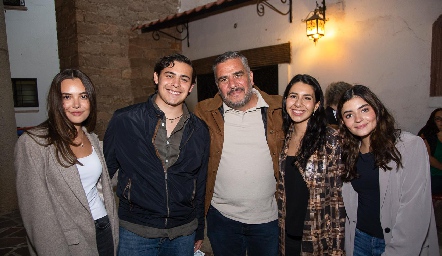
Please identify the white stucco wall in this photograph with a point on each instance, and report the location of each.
(383, 44)
(33, 52)
(190, 4)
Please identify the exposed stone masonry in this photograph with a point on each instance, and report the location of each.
(95, 37)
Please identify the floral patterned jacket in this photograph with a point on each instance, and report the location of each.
(325, 217)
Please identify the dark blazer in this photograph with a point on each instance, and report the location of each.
(53, 204)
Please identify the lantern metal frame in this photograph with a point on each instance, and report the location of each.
(315, 22)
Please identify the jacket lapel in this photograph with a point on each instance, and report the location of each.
(72, 179)
(384, 181)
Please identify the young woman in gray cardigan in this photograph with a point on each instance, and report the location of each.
(386, 189)
(64, 191)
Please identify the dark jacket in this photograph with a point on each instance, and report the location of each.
(149, 194)
(210, 111)
(331, 119)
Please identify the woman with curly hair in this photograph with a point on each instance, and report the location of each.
(432, 135)
(386, 181)
(310, 207)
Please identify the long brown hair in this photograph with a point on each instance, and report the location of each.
(60, 131)
(383, 138)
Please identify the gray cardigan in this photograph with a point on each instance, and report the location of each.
(406, 214)
(53, 204)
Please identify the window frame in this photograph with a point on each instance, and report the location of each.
(18, 95)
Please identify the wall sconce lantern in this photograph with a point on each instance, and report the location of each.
(315, 22)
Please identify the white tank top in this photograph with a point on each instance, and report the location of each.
(90, 172)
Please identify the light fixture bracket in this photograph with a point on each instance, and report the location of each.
(261, 3)
(179, 28)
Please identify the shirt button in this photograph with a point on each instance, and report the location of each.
(167, 161)
(387, 230)
(167, 142)
(162, 124)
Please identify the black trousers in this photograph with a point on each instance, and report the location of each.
(293, 245)
(105, 241)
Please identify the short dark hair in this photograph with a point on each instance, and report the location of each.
(168, 61)
(229, 56)
(334, 92)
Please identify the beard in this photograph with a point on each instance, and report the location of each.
(237, 104)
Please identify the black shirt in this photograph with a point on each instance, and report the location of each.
(297, 195)
(367, 186)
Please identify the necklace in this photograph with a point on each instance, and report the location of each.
(81, 142)
(173, 119)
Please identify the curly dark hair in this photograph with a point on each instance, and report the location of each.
(383, 138)
(60, 130)
(168, 61)
(314, 137)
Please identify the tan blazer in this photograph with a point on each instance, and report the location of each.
(406, 214)
(53, 204)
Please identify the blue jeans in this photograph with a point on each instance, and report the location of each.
(232, 238)
(134, 245)
(368, 245)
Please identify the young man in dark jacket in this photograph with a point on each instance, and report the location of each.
(161, 151)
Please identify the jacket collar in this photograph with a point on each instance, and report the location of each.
(72, 177)
(217, 102)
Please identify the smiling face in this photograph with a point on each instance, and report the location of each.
(76, 103)
(301, 103)
(235, 84)
(359, 117)
(174, 84)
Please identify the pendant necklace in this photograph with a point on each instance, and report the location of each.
(82, 144)
(172, 119)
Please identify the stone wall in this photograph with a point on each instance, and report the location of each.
(8, 134)
(96, 37)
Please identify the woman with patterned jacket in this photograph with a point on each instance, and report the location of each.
(310, 206)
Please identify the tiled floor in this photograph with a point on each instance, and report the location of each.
(12, 235)
(13, 241)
